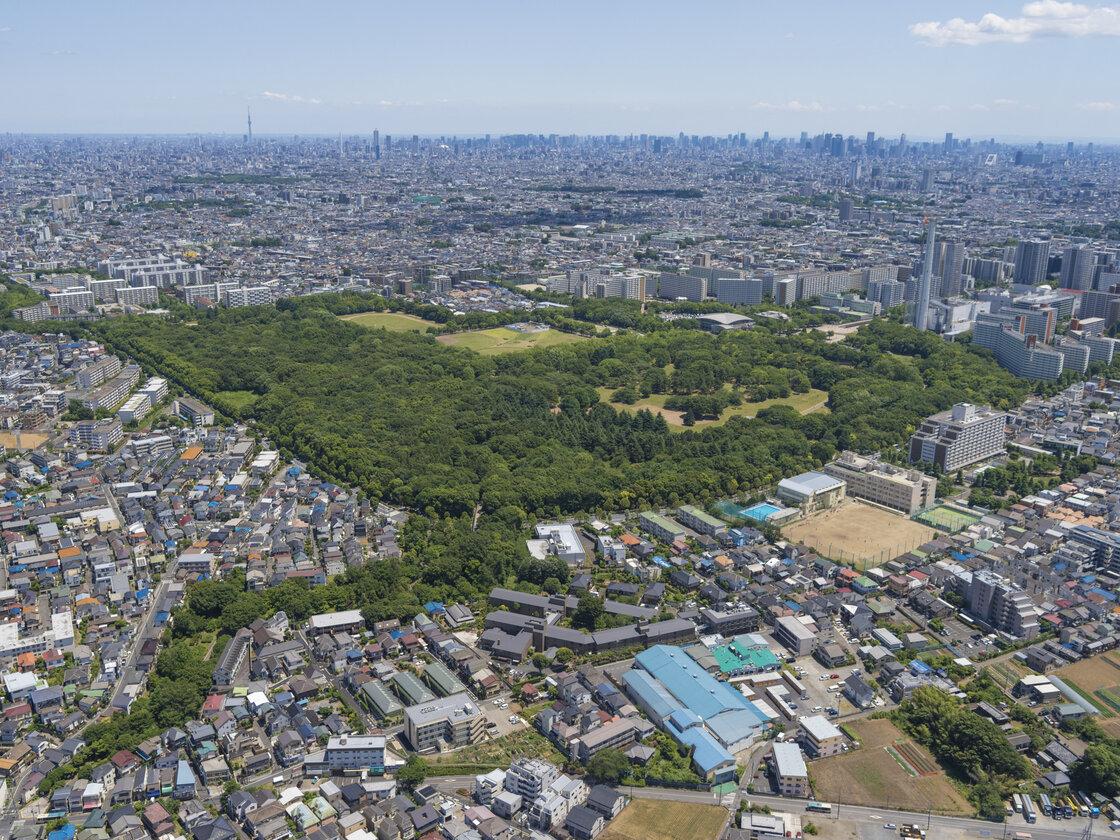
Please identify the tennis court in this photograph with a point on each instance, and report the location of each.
(947, 519)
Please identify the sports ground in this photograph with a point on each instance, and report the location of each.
(857, 533)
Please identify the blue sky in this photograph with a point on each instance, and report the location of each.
(1045, 69)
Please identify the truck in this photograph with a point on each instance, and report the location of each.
(1029, 813)
(912, 830)
(1044, 805)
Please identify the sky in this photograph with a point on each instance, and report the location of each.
(1041, 70)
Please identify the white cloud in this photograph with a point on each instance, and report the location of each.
(794, 105)
(1040, 19)
(5, 29)
(1098, 106)
(290, 97)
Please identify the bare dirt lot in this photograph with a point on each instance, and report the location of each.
(890, 770)
(856, 533)
(661, 819)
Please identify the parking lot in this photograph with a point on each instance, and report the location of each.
(498, 716)
(817, 679)
(960, 639)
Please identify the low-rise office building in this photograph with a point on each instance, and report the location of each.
(454, 721)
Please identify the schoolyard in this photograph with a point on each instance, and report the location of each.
(858, 533)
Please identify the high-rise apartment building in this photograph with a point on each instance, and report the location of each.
(1078, 265)
(958, 437)
(1032, 259)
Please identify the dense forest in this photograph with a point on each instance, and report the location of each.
(444, 430)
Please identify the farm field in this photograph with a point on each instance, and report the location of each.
(505, 340)
(1098, 680)
(889, 770)
(658, 819)
(812, 400)
(856, 533)
(395, 321)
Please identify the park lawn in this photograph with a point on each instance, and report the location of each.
(807, 403)
(394, 321)
(504, 340)
(662, 819)
(237, 400)
(499, 752)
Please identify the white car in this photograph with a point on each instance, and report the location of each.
(514, 719)
(497, 702)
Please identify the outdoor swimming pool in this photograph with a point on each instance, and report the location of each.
(760, 512)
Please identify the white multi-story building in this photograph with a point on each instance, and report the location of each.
(958, 437)
(789, 769)
(356, 752)
(884, 484)
(454, 720)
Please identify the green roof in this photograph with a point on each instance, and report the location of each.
(740, 654)
(663, 522)
(706, 518)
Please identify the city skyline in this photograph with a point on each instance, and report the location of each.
(1007, 70)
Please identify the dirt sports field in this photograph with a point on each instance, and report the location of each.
(1098, 680)
(888, 770)
(660, 819)
(863, 535)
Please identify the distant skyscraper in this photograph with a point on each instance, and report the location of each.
(1031, 261)
(921, 305)
(1078, 263)
(952, 267)
(949, 141)
(249, 124)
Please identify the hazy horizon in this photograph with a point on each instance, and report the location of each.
(1042, 69)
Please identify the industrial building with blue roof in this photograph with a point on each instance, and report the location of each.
(695, 708)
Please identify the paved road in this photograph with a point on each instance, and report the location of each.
(141, 633)
(368, 721)
(1045, 829)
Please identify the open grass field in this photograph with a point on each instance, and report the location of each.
(889, 770)
(394, 321)
(238, 399)
(505, 340)
(22, 440)
(658, 819)
(856, 533)
(812, 400)
(1098, 680)
(948, 519)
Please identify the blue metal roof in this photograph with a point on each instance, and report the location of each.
(692, 686)
(657, 699)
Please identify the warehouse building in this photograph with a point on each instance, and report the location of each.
(694, 708)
